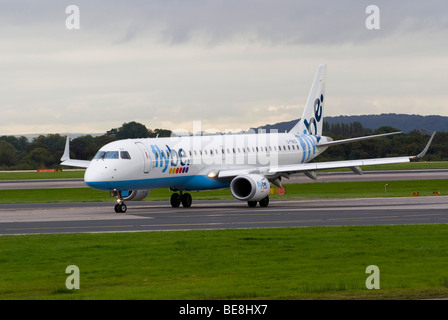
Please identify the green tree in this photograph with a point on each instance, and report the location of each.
(161, 133)
(8, 154)
(132, 130)
(39, 157)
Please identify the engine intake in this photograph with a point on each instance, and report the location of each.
(250, 187)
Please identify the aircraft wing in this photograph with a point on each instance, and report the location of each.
(336, 164)
(332, 143)
(311, 167)
(66, 161)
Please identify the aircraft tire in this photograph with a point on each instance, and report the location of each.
(264, 202)
(252, 204)
(175, 200)
(186, 200)
(121, 207)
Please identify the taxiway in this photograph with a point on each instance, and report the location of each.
(220, 214)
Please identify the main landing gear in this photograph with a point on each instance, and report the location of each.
(263, 202)
(178, 198)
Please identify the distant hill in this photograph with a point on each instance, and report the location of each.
(403, 122)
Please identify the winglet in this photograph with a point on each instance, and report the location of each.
(66, 155)
(422, 154)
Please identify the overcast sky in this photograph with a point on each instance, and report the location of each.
(232, 64)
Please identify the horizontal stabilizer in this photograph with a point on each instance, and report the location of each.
(76, 163)
(66, 161)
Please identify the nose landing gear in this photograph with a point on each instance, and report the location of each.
(120, 207)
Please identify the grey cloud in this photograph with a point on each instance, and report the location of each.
(217, 21)
(281, 22)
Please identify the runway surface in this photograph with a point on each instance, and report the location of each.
(158, 215)
(342, 176)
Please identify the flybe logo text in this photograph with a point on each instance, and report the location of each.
(318, 105)
(262, 185)
(169, 157)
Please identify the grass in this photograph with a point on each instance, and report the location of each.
(286, 263)
(367, 189)
(364, 189)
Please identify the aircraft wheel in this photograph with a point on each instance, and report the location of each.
(121, 207)
(186, 200)
(264, 202)
(175, 200)
(252, 204)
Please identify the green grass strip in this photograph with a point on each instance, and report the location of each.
(364, 189)
(285, 263)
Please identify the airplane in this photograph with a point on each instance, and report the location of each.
(247, 164)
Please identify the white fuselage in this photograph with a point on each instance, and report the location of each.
(192, 162)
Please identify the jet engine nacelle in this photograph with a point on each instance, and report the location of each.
(135, 195)
(250, 187)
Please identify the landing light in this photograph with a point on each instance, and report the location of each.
(212, 174)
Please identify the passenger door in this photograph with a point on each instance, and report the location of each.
(146, 157)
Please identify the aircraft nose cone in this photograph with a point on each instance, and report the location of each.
(94, 177)
(91, 175)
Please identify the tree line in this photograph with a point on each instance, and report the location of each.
(411, 143)
(45, 151)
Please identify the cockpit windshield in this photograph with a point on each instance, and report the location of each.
(112, 155)
(124, 155)
(106, 155)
